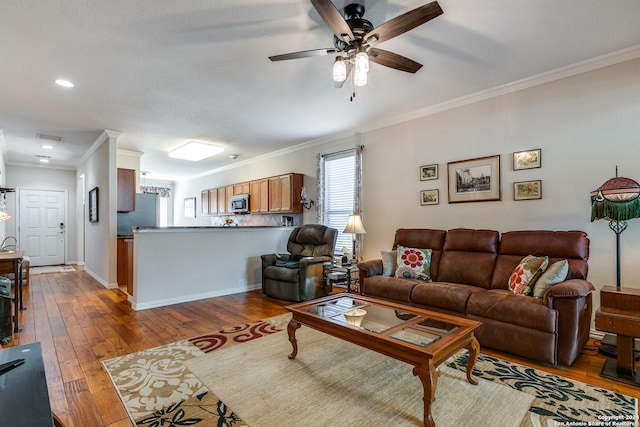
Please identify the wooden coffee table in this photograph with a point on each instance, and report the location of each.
(419, 337)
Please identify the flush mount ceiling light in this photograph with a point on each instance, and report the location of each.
(195, 151)
(64, 83)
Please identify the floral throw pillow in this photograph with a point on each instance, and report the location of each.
(524, 276)
(413, 263)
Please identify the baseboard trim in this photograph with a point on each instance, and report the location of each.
(189, 298)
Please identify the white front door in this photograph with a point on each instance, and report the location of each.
(41, 230)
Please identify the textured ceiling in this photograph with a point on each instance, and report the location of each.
(163, 72)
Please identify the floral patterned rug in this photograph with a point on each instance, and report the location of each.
(158, 390)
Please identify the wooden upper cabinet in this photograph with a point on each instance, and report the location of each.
(242, 188)
(259, 196)
(284, 193)
(126, 190)
(228, 196)
(213, 201)
(222, 201)
(204, 202)
(276, 194)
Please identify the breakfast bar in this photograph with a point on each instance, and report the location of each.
(179, 264)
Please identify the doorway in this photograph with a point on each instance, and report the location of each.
(42, 225)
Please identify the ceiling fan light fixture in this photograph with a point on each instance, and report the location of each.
(339, 70)
(360, 78)
(362, 62)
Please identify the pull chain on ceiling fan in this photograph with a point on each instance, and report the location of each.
(354, 39)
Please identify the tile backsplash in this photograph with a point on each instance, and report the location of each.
(258, 220)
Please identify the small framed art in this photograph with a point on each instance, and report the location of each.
(527, 190)
(429, 197)
(529, 159)
(190, 207)
(93, 205)
(428, 172)
(474, 180)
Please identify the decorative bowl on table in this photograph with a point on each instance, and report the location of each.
(354, 317)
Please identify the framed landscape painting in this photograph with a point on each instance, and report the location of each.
(429, 197)
(529, 159)
(428, 172)
(474, 180)
(190, 207)
(527, 190)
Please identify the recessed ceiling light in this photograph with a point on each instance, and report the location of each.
(64, 83)
(47, 147)
(44, 160)
(195, 151)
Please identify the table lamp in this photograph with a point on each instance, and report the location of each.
(355, 227)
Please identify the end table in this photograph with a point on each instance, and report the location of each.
(619, 313)
(339, 274)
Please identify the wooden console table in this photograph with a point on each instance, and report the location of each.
(619, 313)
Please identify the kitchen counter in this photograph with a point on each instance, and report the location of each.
(204, 227)
(179, 264)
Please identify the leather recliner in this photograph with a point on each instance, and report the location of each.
(297, 276)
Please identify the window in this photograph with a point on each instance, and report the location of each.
(338, 192)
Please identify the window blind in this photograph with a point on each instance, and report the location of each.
(339, 189)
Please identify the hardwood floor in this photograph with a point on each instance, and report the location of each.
(79, 323)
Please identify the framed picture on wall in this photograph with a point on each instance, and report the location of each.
(190, 207)
(429, 197)
(529, 159)
(428, 172)
(527, 190)
(93, 205)
(474, 180)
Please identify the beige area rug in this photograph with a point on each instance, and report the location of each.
(335, 383)
(51, 269)
(241, 376)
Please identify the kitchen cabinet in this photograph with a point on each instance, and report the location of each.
(242, 188)
(259, 196)
(277, 194)
(209, 201)
(228, 196)
(213, 201)
(125, 263)
(126, 201)
(284, 193)
(204, 202)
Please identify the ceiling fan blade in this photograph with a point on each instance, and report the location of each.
(302, 54)
(333, 18)
(393, 60)
(338, 85)
(403, 23)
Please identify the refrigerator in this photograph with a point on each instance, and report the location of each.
(145, 215)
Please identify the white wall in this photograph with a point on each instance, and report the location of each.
(99, 170)
(34, 178)
(585, 126)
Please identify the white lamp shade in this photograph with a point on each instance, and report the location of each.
(360, 78)
(339, 70)
(354, 225)
(362, 62)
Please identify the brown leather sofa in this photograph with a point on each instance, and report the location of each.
(470, 271)
(297, 276)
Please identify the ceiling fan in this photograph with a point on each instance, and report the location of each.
(354, 39)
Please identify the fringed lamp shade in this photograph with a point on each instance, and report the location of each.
(616, 200)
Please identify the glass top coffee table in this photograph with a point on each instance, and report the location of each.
(419, 337)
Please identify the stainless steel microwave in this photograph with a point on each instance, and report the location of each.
(240, 203)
